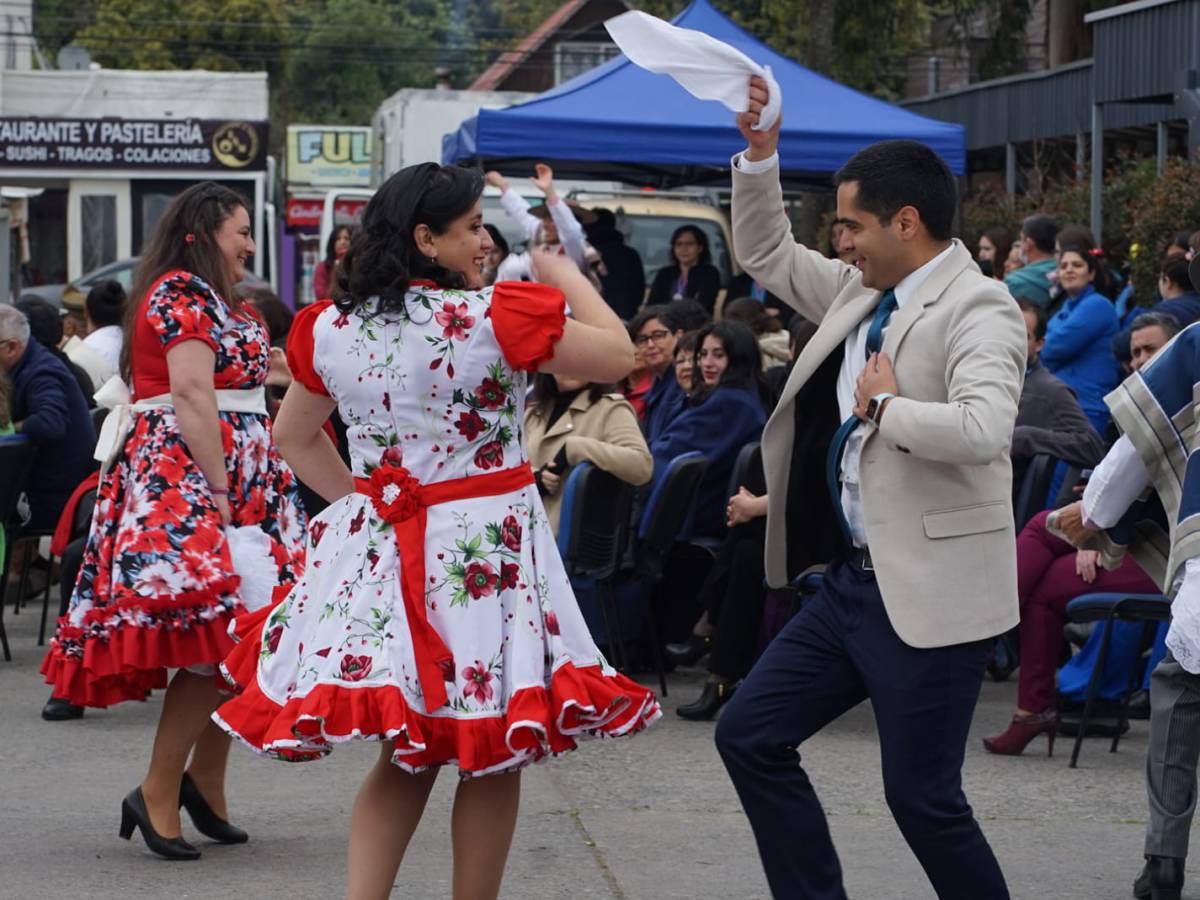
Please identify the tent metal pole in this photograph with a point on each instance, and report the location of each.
(1010, 168)
(1098, 171)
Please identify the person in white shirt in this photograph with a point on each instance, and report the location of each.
(99, 354)
(1156, 411)
(105, 311)
(555, 224)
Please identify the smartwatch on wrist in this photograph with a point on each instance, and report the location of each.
(875, 407)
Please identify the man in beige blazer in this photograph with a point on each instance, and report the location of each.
(920, 470)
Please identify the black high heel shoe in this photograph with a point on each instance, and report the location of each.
(690, 651)
(715, 695)
(207, 822)
(135, 815)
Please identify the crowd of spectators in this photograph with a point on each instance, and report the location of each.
(702, 383)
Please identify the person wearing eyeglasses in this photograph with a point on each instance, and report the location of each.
(655, 334)
(690, 274)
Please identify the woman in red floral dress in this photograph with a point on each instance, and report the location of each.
(434, 614)
(157, 588)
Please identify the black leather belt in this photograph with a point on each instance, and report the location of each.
(860, 558)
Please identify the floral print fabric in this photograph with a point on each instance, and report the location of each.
(432, 391)
(156, 588)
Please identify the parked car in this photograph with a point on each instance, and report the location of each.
(73, 295)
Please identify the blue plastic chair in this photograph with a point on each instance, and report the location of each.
(1148, 609)
(593, 527)
(665, 521)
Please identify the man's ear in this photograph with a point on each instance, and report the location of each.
(909, 220)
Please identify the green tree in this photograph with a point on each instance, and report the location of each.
(351, 54)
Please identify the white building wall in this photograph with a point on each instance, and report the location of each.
(119, 93)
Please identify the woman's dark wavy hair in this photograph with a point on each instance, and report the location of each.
(701, 238)
(383, 258)
(744, 368)
(199, 211)
(546, 391)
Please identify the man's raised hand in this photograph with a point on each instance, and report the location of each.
(762, 143)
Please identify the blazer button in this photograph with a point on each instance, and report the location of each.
(903, 449)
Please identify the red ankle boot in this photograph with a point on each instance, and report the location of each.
(1021, 731)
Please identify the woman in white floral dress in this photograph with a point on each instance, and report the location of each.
(434, 614)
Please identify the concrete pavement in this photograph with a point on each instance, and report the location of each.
(654, 818)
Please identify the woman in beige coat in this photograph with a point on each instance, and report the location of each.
(569, 421)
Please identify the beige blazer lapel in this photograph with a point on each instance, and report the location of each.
(930, 291)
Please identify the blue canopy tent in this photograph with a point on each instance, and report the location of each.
(621, 122)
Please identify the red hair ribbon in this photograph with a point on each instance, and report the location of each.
(1096, 251)
(189, 238)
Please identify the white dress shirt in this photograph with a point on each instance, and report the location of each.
(1116, 483)
(854, 360)
(107, 342)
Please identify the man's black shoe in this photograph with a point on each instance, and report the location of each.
(1161, 879)
(59, 710)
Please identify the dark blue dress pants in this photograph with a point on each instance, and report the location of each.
(839, 650)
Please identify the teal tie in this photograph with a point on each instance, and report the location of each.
(837, 448)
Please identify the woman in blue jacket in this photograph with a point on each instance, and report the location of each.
(725, 414)
(1079, 336)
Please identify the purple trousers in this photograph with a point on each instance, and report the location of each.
(1046, 583)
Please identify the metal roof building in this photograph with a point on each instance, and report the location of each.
(1141, 84)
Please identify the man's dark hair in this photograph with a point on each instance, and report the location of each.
(685, 315)
(894, 174)
(105, 304)
(1175, 270)
(1167, 322)
(1042, 230)
(1028, 306)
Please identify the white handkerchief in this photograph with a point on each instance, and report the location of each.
(250, 548)
(706, 68)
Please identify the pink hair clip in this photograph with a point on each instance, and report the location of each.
(189, 238)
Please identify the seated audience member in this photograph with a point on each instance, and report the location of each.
(768, 330)
(5, 429)
(734, 594)
(49, 409)
(688, 315)
(1049, 419)
(623, 283)
(569, 421)
(1013, 261)
(1050, 574)
(1180, 301)
(1078, 337)
(1032, 281)
(45, 326)
(655, 333)
(994, 247)
(685, 361)
(1107, 281)
(1148, 334)
(637, 383)
(74, 321)
(725, 414)
(690, 274)
(105, 311)
(1180, 245)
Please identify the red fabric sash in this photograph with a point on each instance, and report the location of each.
(401, 501)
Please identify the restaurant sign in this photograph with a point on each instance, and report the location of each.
(132, 144)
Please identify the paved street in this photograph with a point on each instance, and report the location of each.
(650, 819)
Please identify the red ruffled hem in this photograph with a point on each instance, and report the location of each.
(127, 661)
(539, 721)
